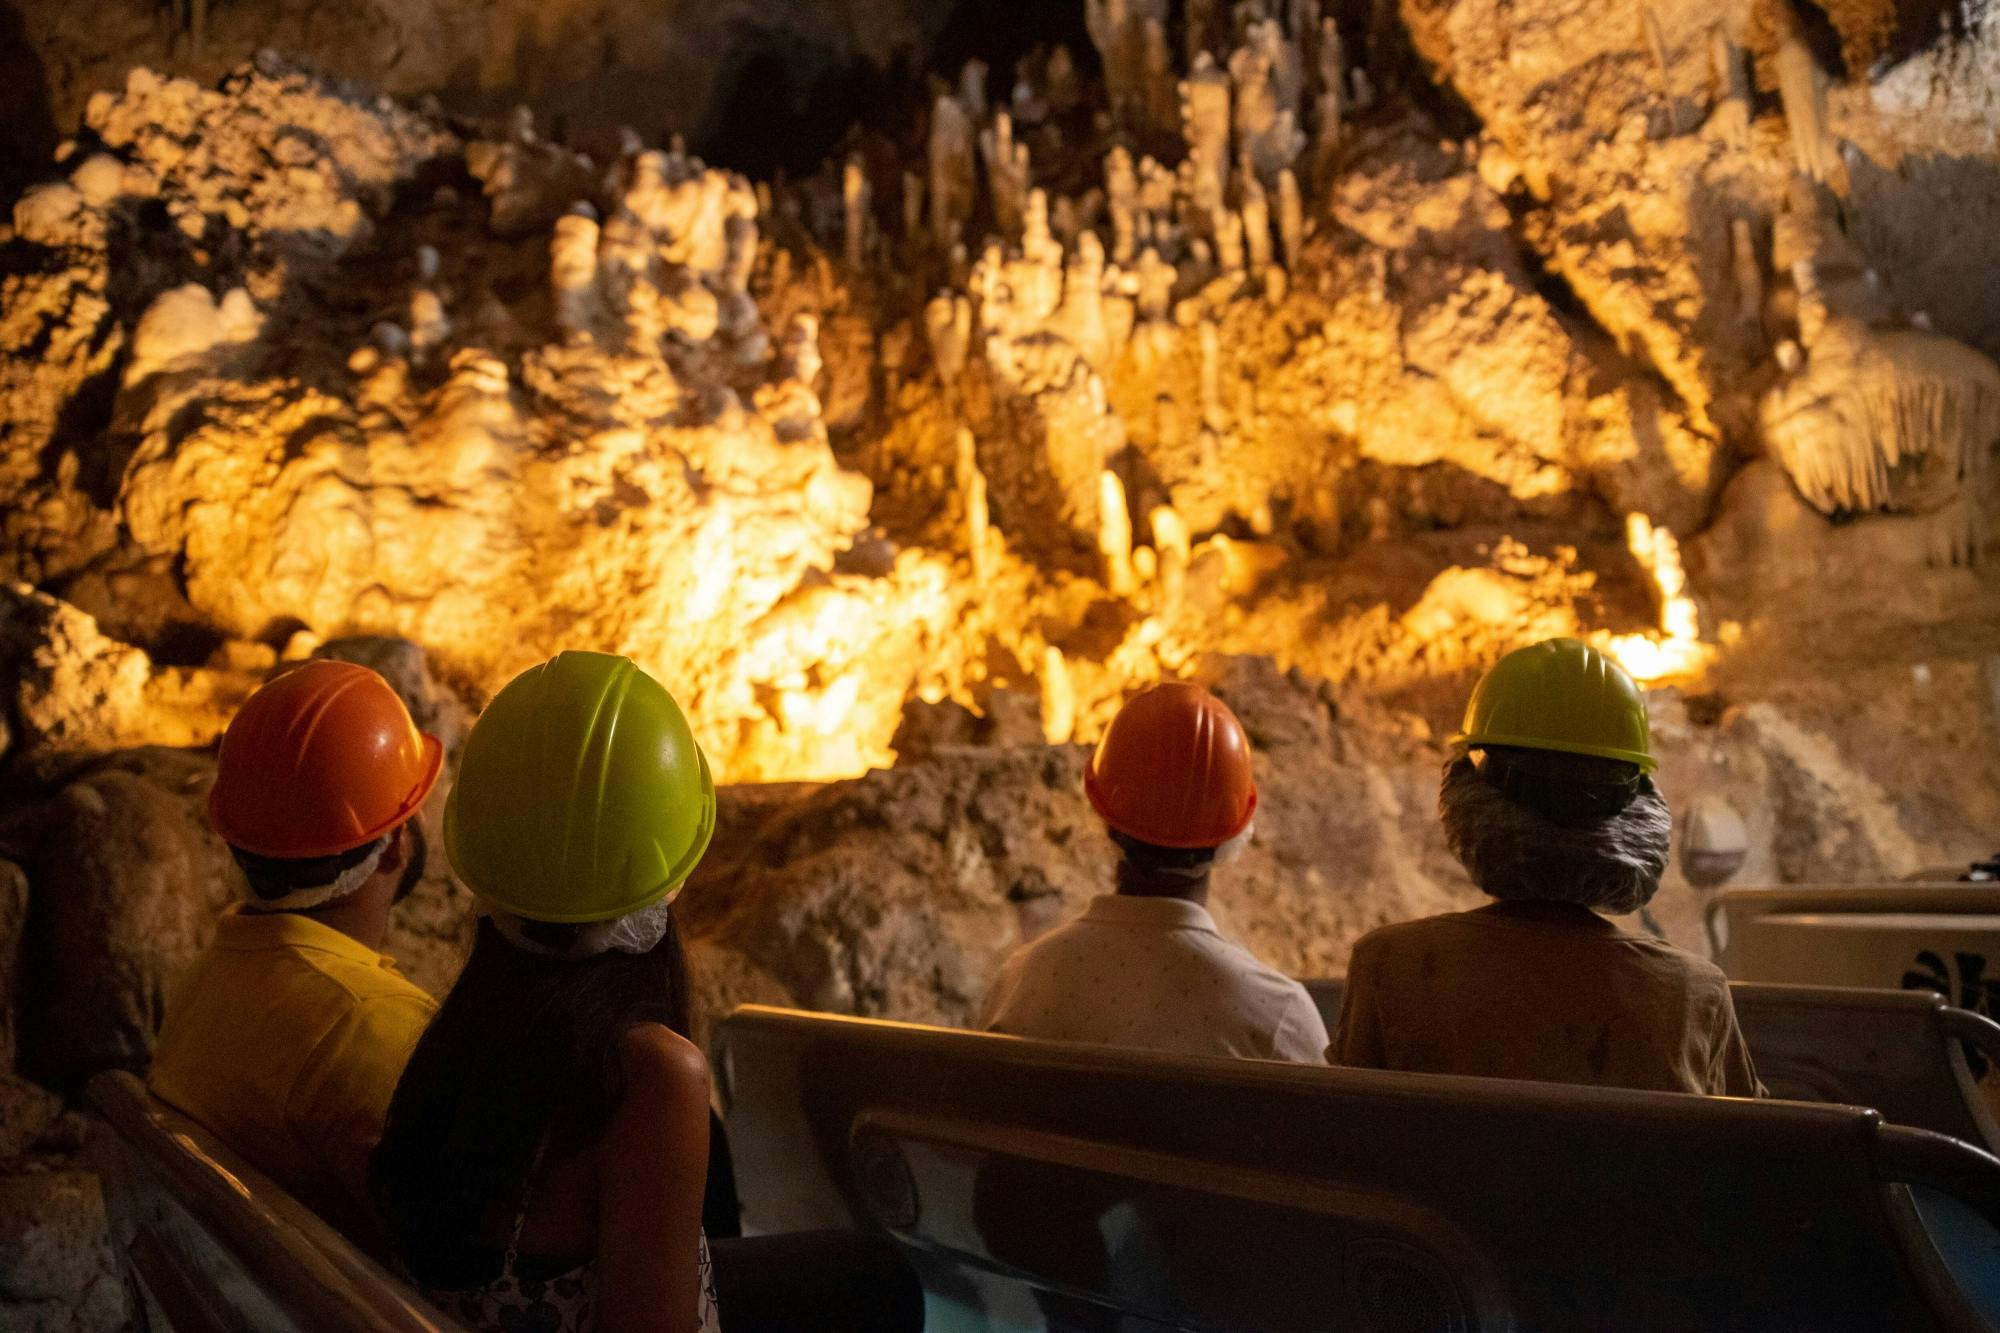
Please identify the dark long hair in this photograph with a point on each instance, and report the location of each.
(524, 1051)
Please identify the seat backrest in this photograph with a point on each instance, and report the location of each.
(1061, 1186)
(210, 1243)
(1328, 993)
(1943, 937)
(1901, 1052)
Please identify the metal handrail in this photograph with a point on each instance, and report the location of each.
(304, 1265)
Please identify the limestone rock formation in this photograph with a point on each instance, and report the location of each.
(125, 883)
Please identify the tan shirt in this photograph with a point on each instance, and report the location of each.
(1542, 991)
(1153, 973)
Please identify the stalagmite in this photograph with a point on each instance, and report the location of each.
(1007, 172)
(573, 273)
(1155, 297)
(1291, 219)
(948, 323)
(1213, 415)
(972, 491)
(1170, 540)
(950, 171)
(972, 89)
(1205, 125)
(1161, 90)
(1228, 228)
(1256, 215)
(1732, 86)
(1061, 88)
(1058, 698)
(1114, 534)
(430, 327)
(1812, 307)
(1749, 273)
(1125, 32)
(1330, 106)
(1121, 197)
(1256, 110)
(913, 203)
(857, 207)
(1081, 318)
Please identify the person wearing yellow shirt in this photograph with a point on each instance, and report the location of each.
(289, 1033)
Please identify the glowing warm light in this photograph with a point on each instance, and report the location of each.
(1675, 651)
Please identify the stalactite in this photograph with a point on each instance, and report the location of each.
(1870, 420)
(1204, 30)
(1732, 86)
(1802, 86)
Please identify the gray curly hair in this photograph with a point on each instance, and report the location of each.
(1515, 852)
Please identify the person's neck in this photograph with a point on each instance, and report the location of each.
(354, 917)
(1136, 883)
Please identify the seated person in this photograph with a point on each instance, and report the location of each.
(545, 1154)
(1145, 966)
(1547, 803)
(288, 1035)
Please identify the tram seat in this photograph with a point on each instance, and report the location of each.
(1045, 1185)
(210, 1243)
(1904, 1053)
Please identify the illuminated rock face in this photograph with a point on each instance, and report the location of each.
(1234, 368)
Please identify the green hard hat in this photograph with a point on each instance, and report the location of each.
(582, 795)
(1560, 694)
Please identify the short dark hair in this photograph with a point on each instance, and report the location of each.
(1152, 856)
(273, 877)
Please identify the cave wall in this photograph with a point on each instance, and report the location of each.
(706, 69)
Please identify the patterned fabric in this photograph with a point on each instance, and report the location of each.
(565, 1303)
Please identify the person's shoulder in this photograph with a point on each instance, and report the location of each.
(363, 980)
(1698, 974)
(659, 1060)
(1399, 934)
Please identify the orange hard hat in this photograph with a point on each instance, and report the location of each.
(1173, 770)
(320, 761)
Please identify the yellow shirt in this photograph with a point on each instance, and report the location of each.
(286, 1040)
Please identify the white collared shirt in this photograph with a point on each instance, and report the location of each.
(1153, 973)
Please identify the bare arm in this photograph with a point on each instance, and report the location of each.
(651, 1169)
